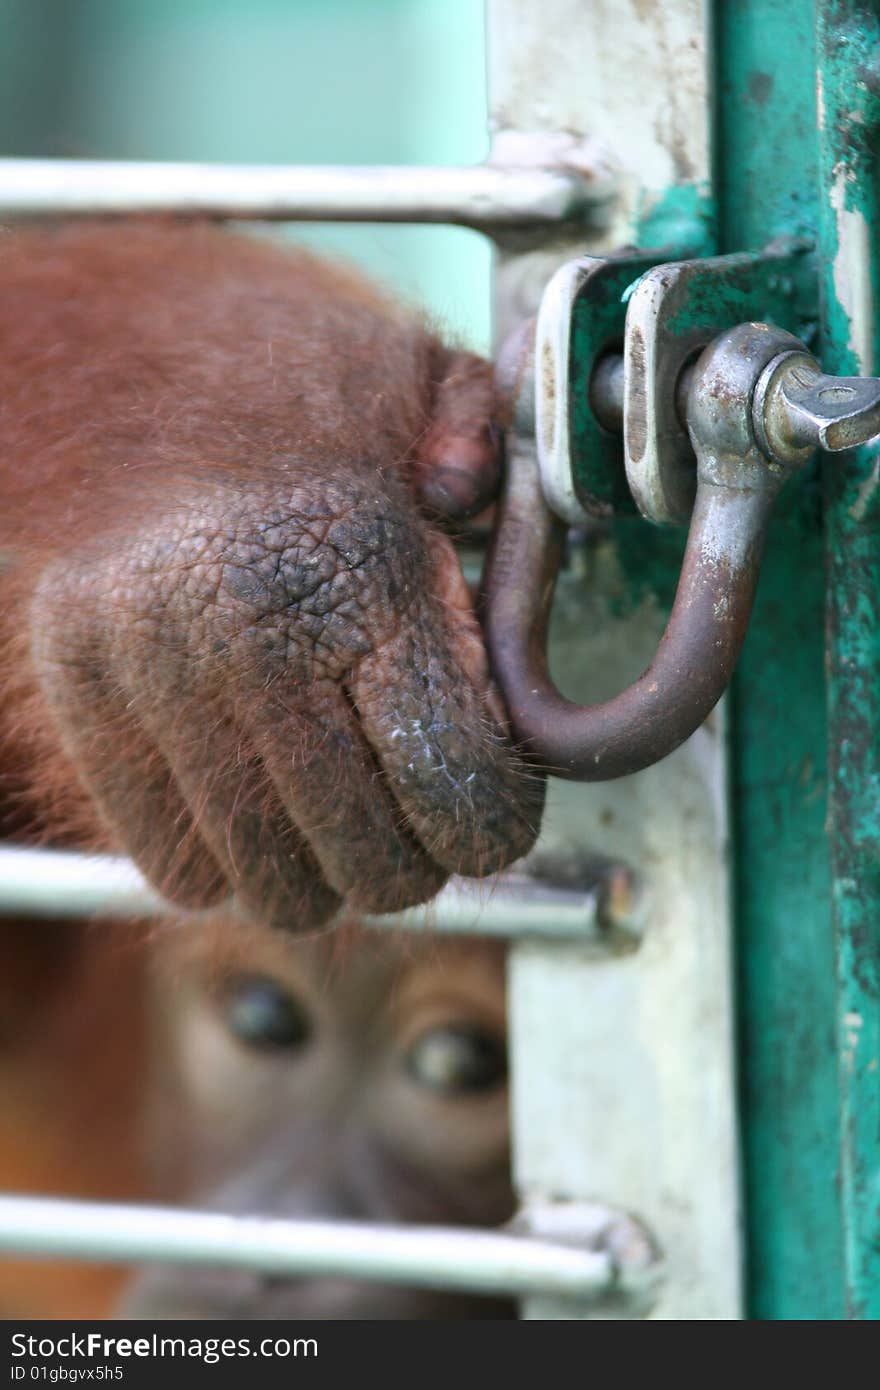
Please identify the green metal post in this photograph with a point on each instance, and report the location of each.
(848, 43)
(796, 154)
(767, 182)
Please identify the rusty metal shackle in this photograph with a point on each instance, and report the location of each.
(756, 406)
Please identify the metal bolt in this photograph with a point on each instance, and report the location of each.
(797, 409)
(606, 392)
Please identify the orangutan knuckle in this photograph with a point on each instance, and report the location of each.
(316, 582)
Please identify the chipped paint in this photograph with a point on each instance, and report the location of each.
(853, 269)
(769, 186)
(849, 37)
(867, 495)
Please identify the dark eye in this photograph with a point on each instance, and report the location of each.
(458, 1058)
(261, 1013)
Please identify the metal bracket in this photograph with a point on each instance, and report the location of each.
(581, 320)
(671, 408)
(674, 311)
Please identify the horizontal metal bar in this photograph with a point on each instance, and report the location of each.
(61, 884)
(510, 905)
(427, 1256)
(480, 196)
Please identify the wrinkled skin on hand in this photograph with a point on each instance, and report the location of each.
(227, 590)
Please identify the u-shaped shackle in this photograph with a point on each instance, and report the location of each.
(756, 406)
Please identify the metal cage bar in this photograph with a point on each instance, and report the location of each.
(485, 197)
(428, 1256)
(63, 884)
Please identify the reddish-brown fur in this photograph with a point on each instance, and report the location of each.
(234, 643)
(75, 1059)
(226, 609)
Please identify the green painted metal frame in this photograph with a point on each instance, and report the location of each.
(848, 39)
(796, 155)
(806, 770)
(767, 162)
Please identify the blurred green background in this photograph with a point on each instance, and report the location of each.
(265, 81)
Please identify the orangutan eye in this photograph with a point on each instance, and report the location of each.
(458, 1058)
(262, 1014)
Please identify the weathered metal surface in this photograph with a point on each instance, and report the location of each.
(797, 155)
(566, 65)
(622, 1067)
(765, 166)
(799, 408)
(674, 311)
(553, 407)
(848, 42)
(580, 321)
(736, 484)
(693, 662)
(607, 1096)
(782, 891)
(767, 186)
(643, 96)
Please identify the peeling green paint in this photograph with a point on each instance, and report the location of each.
(778, 288)
(848, 35)
(766, 156)
(682, 219)
(597, 326)
(797, 155)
